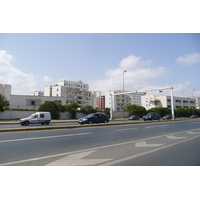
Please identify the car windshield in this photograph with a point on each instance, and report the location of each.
(88, 116)
(149, 114)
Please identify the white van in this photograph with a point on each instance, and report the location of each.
(38, 117)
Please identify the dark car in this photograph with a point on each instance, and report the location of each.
(152, 116)
(168, 116)
(134, 117)
(193, 116)
(94, 118)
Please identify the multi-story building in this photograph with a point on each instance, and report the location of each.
(5, 90)
(197, 99)
(119, 102)
(38, 93)
(136, 98)
(165, 101)
(71, 91)
(101, 102)
(31, 102)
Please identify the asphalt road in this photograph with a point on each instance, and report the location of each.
(171, 143)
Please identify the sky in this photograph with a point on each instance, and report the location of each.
(31, 61)
(96, 43)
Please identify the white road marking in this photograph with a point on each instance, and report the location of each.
(190, 132)
(147, 152)
(143, 144)
(47, 137)
(77, 160)
(174, 137)
(126, 129)
(156, 126)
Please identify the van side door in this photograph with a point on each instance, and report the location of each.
(35, 119)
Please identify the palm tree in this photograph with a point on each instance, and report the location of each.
(4, 101)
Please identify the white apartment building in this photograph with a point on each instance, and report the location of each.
(5, 90)
(31, 102)
(136, 98)
(197, 99)
(71, 91)
(151, 101)
(119, 102)
(38, 93)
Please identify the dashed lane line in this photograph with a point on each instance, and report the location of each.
(47, 137)
(127, 129)
(156, 126)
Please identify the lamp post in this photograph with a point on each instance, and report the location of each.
(192, 98)
(123, 94)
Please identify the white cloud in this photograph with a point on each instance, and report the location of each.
(47, 79)
(136, 77)
(188, 59)
(182, 89)
(21, 83)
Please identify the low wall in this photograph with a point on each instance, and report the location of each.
(12, 114)
(120, 115)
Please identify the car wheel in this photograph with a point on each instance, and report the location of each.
(26, 123)
(90, 122)
(42, 123)
(105, 121)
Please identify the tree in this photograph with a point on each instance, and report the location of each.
(136, 110)
(107, 111)
(72, 109)
(161, 111)
(4, 102)
(1, 108)
(51, 107)
(88, 109)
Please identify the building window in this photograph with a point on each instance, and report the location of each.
(32, 102)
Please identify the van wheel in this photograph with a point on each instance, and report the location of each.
(26, 123)
(47, 123)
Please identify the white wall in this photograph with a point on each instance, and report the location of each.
(11, 114)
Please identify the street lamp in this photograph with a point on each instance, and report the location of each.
(123, 94)
(192, 98)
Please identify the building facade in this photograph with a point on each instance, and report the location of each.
(136, 98)
(119, 102)
(151, 101)
(31, 102)
(101, 102)
(71, 91)
(5, 90)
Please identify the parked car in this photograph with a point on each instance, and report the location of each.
(168, 116)
(94, 118)
(36, 118)
(134, 117)
(193, 116)
(152, 116)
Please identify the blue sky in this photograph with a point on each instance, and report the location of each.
(95, 41)
(29, 62)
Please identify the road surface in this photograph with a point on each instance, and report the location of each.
(171, 143)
